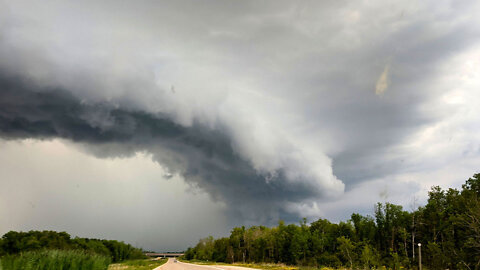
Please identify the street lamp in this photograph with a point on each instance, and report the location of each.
(419, 256)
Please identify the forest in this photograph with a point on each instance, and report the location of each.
(447, 227)
(13, 243)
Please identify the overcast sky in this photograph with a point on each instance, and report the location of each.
(161, 122)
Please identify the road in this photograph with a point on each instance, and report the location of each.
(172, 265)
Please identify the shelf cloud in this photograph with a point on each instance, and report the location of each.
(204, 156)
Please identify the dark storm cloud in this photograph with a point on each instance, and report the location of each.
(203, 156)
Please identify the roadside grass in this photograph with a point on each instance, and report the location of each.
(269, 266)
(137, 264)
(54, 260)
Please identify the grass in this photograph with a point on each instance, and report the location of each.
(270, 266)
(54, 260)
(137, 265)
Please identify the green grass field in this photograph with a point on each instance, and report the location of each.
(54, 260)
(137, 265)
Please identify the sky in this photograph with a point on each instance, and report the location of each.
(161, 122)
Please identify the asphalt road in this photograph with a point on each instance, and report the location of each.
(171, 265)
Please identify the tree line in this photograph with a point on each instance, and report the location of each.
(18, 242)
(448, 227)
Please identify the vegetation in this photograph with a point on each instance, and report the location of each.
(55, 260)
(137, 265)
(13, 243)
(448, 227)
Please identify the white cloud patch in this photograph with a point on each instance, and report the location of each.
(382, 82)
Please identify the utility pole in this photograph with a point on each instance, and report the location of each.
(413, 206)
(419, 256)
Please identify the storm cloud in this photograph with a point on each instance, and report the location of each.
(278, 109)
(202, 155)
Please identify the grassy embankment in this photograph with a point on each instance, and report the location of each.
(71, 260)
(137, 265)
(55, 260)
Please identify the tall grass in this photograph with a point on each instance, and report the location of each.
(55, 260)
(137, 265)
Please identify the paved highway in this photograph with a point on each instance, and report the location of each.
(172, 265)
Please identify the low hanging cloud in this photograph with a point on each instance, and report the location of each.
(204, 156)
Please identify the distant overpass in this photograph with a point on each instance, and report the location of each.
(164, 254)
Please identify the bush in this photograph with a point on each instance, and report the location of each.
(16, 242)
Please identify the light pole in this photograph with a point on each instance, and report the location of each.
(419, 256)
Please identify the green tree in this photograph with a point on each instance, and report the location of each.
(347, 249)
(368, 257)
(448, 226)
